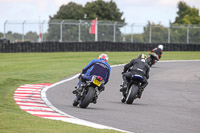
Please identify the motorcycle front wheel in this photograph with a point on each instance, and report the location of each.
(88, 98)
(132, 94)
(149, 61)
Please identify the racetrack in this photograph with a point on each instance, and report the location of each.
(169, 104)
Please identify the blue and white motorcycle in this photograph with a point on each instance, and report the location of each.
(91, 88)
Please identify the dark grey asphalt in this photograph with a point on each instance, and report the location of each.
(170, 103)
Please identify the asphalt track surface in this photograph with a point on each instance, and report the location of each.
(169, 104)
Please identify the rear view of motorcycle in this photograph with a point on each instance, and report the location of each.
(152, 59)
(132, 90)
(155, 55)
(91, 88)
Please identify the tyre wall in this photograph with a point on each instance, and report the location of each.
(91, 46)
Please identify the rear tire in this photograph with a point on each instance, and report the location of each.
(88, 98)
(132, 94)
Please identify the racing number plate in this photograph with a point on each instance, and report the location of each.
(96, 82)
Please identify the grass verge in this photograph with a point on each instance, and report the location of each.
(17, 69)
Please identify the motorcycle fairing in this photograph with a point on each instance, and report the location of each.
(136, 76)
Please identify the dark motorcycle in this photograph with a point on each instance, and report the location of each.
(89, 94)
(152, 59)
(132, 90)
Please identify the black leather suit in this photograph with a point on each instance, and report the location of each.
(136, 66)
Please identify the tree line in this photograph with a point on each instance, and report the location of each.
(108, 11)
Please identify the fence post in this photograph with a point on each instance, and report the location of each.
(150, 33)
(132, 32)
(79, 31)
(114, 32)
(23, 30)
(61, 23)
(96, 31)
(169, 32)
(188, 32)
(5, 28)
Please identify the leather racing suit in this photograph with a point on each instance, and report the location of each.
(158, 51)
(136, 66)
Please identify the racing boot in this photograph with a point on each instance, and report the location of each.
(124, 87)
(102, 88)
(140, 92)
(141, 88)
(95, 99)
(78, 89)
(124, 84)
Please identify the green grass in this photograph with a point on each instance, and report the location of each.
(17, 69)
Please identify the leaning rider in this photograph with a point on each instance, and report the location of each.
(158, 51)
(98, 67)
(136, 66)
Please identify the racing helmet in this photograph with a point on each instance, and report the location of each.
(161, 46)
(103, 56)
(143, 57)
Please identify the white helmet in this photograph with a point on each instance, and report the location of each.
(103, 56)
(160, 46)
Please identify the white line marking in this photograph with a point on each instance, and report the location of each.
(36, 108)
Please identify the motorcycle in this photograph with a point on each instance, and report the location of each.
(91, 88)
(152, 59)
(132, 90)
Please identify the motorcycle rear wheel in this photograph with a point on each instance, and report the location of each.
(132, 94)
(88, 98)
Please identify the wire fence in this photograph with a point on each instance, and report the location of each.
(79, 31)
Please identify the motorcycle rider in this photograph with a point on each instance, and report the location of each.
(136, 66)
(158, 51)
(99, 67)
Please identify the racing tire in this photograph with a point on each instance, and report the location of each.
(149, 62)
(132, 94)
(88, 98)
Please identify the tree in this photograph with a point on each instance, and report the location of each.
(103, 11)
(31, 36)
(106, 11)
(13, 37)
(95, 9)
(1, 35)
(69, 11)
(159, 33)
(187, 14)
